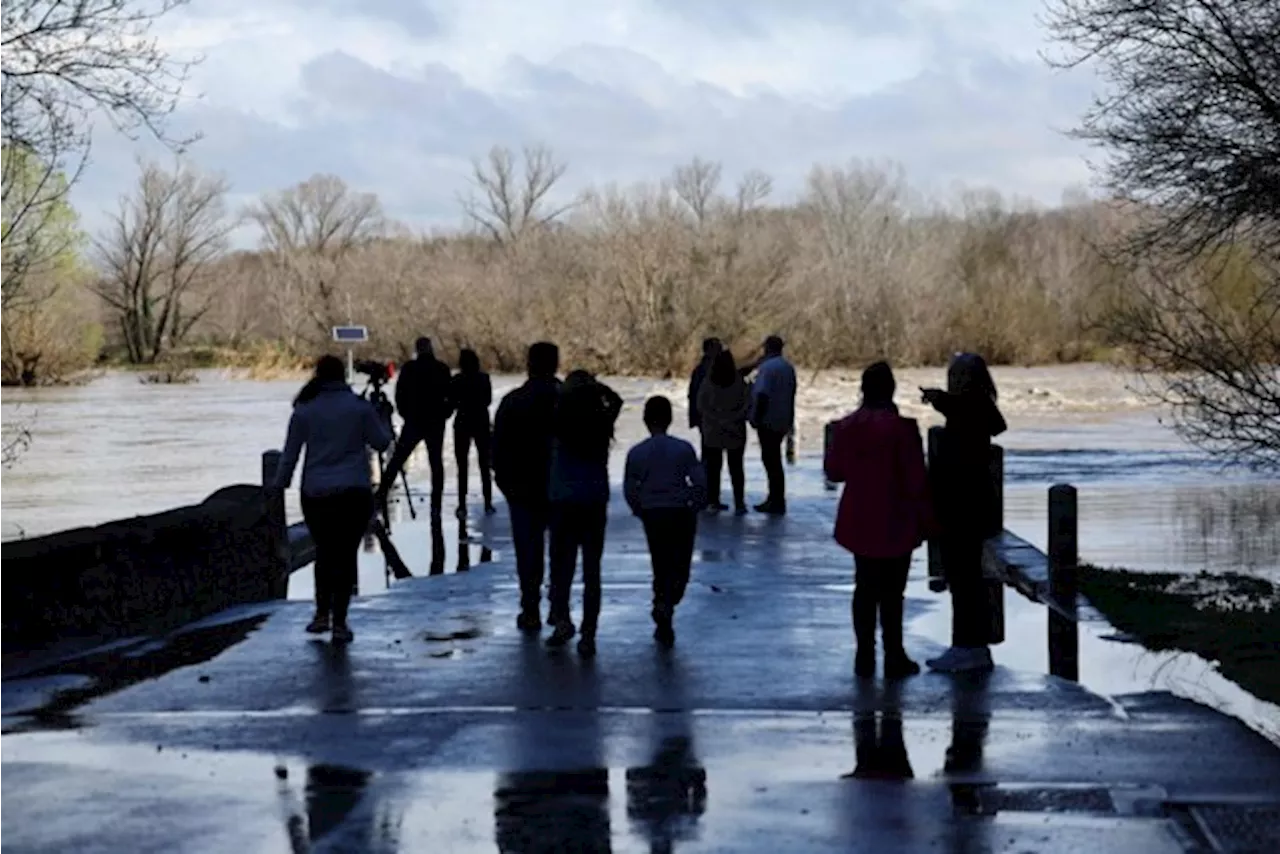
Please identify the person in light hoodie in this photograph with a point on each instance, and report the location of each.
(336, 427)
(884, 516)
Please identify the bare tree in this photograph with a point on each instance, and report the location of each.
(157, 253)
(310, 230)
(63, 62)
(1191, 125)
(697, 185)
(508, 201)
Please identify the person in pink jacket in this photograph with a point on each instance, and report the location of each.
(884, 515)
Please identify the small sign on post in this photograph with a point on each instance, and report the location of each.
(350, 335)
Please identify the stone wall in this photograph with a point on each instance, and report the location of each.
(142, 575)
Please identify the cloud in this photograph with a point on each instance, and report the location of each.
(397, 97)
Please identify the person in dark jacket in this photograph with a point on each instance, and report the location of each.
(724, 403)
(884, 515)
(422, 398)
(471, 394)
(966, 504)
(337, 428)
(579, 492)
(710, 347)
(522, 431)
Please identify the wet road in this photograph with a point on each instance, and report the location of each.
(442, 729)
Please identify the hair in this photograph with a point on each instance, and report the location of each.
(423, 346)
(773, 344)
(543, 360)
(724, 370)
(329, 369)
(878, 384)
(968, 374)
(581, 426)
(468, 361)
(657, 413)
(710, 345)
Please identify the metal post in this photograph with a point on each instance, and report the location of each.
(828, 431)
(937, 580)
(1064, 638)
(278, 525)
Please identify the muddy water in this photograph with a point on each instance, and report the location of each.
(115, 448)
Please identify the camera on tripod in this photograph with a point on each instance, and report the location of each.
(377, 372)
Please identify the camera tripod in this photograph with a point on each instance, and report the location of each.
(382, 405)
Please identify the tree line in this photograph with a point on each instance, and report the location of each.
(628, 280)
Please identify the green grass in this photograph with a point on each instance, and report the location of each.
(1229, 618)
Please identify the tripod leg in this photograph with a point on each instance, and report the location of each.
(404, 478)
(382, 505)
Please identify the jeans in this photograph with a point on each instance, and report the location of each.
(463, 436)
(337, 523)
(713, 459)
(577, 525)
(970, 609)
(411, 434)
(771, 455)
(879, 585)
(671, 534)
(529, 538)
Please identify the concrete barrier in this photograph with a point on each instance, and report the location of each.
(141, 575)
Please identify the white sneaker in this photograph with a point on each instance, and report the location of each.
(947, 661)
(963, 659)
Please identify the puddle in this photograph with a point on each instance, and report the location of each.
(455, 629)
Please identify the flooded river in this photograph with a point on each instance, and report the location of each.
(116, 447)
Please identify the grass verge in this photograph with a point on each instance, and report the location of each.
(1229, 618)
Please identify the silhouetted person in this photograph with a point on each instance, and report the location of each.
(884, 515)
(665, 486)
(471, 394)
(966, 504)
(710, 347)
(522, 433)
(579, 492)
(724, 403)
(773, 415)
(337, 428)
(422, 398)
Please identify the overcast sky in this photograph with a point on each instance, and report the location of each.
(397, 96)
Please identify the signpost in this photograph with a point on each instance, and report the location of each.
(350, 335)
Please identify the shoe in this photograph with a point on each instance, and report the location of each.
(586, 646)
(529, 622)
(562, 635)
(772, 508)
(962, 660)
(740, 510)
(900, 668)
(864, 665)
(343, 635)
(319, 624)
(720, 506)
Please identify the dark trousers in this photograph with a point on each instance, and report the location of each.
(970, 609)
(713, 460)
(879, 585)
(463, 437)
(670, 533)
(529, 538)
(771, 455)
(413, 432)
(577, 525)
(337, 523)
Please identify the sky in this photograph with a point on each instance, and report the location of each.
(398, 97)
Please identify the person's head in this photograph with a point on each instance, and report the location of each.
(878, 385)
(773, 346)
(711, 346)
(468, 361)
(328, 371)
(724, 370)
(657, 414)
(543, 360)
(968, 374)
(423, 348)
(581, 425)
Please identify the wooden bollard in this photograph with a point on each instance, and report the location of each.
(1064, 638)
(278, 524)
